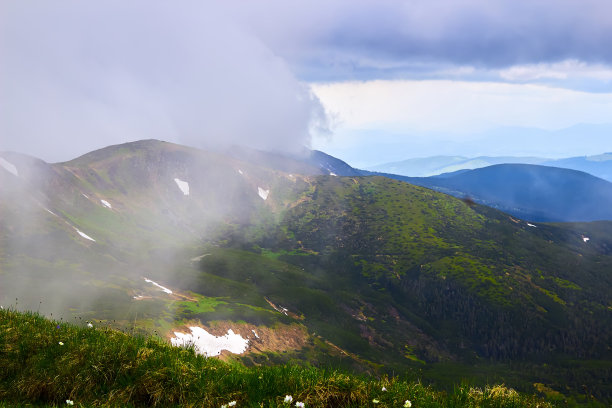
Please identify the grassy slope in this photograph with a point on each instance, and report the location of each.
(399, 276)
(48, 362)
(392, 274)
(433, 276)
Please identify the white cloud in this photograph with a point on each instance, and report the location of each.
(459, 106)
(82, 75)
(565, 70)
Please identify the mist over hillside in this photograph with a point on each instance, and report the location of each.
(251, 235)
(367, 273)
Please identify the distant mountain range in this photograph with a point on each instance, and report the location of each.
(432, 166)
(530, 192)
(599, 165)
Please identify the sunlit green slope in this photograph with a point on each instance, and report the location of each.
(59, 364)
(364, 273)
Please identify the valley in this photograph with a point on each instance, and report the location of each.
(367, 274)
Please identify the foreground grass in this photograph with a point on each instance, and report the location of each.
(45, 362)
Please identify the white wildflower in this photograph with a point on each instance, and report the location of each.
(69, 402)
(90, 325)
(407, 404)
(384, 388)
(300, 404)
(232, 404)
(61, 344)
(375, 401)
(288, 399)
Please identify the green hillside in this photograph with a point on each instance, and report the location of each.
(425, 277)
(493, 281)
(363, 274)
(52, 363)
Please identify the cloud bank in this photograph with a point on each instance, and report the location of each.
(81, 75)
(366, 39)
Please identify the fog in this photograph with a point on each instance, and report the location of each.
(76, 76)
(80, 239)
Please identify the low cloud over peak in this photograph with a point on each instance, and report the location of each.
(81, 75)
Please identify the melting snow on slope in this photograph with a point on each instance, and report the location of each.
(255, 333)
(240, 171)
(85, 195)
(263, 193)
(331, 173)
(8, 166)
(210, 345)
(183, 185)
(159, 286)
(531, 225)
(84, 235)
(585, 239)
(106, 203)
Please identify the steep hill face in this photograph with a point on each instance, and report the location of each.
(474, 278)
(363, 272)
(536, 193)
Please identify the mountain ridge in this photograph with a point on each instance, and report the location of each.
(598, 165)
(533, 192)
(381, 275)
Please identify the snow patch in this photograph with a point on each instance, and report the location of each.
(8, 167)
(331, 173)
(240, 171)
(531, 225)
(263, 193)
(84, 235)
(106, 204)
(209, 345)
(586, 239)
(199, 258)
(159, 286)
(183, 185)
(50, 212)
(255, 333)
(85, 195)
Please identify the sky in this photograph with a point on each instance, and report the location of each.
(368, 81)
